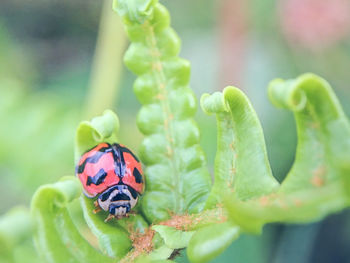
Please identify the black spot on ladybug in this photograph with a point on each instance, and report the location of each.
(137, 175)
(97, 179)
(126, 150)
(93, 159)
(133, 192)
(121, 196)
(105, 195)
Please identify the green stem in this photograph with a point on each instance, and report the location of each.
(107, 63)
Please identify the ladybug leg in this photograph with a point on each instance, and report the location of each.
(97, 209)
(131, 213)
(109, 217)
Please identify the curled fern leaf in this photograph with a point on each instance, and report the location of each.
(101, 129)
(315, 185)
(241, 163)
(56, 237)
(176, 177)
(322, 127)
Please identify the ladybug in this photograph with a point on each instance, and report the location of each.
(113, 174)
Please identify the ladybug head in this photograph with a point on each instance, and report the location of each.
(118, 200)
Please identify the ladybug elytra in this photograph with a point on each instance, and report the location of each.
(113, 174)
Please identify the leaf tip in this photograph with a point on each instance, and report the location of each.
(287, 94)
(99, 129)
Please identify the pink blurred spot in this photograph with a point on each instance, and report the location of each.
(315, 24)
(233, 27)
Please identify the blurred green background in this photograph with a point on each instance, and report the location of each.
(60, 63)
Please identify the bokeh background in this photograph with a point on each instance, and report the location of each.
(60, 63)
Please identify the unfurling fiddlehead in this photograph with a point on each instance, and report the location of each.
(315, 186)
(317, 182)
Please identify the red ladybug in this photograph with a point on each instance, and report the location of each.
(113, 173)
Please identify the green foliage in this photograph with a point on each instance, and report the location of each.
(176, 177)
(180, 208)
(33, 121)
(100, 129)
(56, 236)
(240, 143)
(317, 183)
(173, 238)
(210, 241)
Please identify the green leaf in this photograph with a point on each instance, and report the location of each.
(322, 128)
(100, 129)
(300, 207)
(316, 184)
(176, 177)
(241, 163)
(160, 253)
(172, 237)
(210, 241)
(56, 236)
(148, 259)
(113, 239)
(137, 11)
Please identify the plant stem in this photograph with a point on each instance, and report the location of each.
(107, 63)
